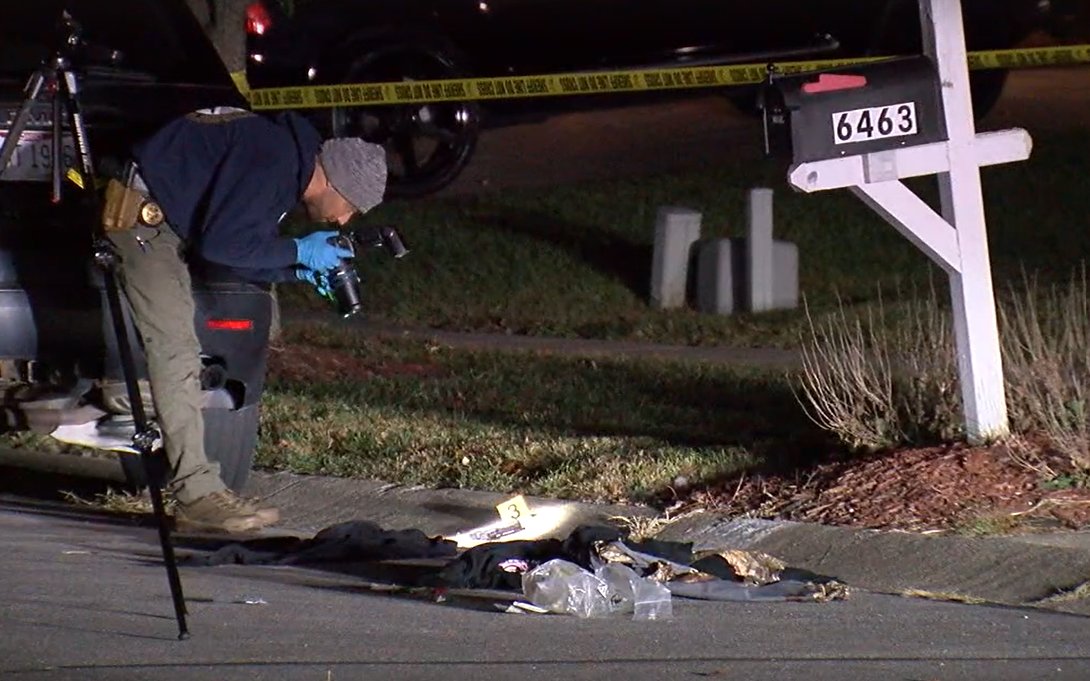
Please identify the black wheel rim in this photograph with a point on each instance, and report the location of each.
(427, 145)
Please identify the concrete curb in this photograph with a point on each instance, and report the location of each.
(309, 503)
(1018, 570)
(1001, 570)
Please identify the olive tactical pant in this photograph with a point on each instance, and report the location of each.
(155, 280)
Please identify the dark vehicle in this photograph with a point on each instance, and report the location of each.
(340, 41)
(58, 354)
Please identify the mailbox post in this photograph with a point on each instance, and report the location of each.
(866, 128)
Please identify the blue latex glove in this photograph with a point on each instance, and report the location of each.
(315, 279)
(315, 252)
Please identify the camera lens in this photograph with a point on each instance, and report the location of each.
(344, 281)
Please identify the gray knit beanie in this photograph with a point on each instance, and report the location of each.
(356, 169)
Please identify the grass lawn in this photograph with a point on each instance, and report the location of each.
(617, 430)
(575, 261)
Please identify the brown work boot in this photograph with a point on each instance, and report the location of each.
(224, 511)
(115, 397)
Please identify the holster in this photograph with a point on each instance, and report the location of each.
(125, 207)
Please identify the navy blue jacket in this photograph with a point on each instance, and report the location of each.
(224, 183)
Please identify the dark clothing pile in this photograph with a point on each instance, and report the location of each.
(500, 565)
(350, 541)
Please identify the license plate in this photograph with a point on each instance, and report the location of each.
(33, 158)
(877, 122)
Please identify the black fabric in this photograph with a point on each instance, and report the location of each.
(492, 566)
(496, 565)
(579, 545)
(350, 541)
(715, 565)
(675, 552)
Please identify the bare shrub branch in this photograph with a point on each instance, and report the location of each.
(846, 383)
(927, 393)
(884, 379)
(1046, 332)
(889, 377)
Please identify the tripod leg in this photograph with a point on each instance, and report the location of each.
(146, 436)
(57, 146)
(11, 142)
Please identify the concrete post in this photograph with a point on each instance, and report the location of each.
(716, 276)
(676, 231)
(785, 264)
(759, 260)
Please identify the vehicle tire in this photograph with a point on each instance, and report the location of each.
(427, 145)
(986, 88)
(230, 436)
(992, 32)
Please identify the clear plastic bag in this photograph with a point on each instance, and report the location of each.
(564, 587)
(629, 592)
(620, 583)
(652, 601)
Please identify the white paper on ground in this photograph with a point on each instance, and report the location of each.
(87, 435)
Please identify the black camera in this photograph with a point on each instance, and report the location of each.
(343, 280)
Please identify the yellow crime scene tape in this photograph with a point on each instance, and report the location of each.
(596, 82)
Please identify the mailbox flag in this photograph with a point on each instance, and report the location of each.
(830, 82)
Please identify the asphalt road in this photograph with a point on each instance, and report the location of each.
(704, 131)
(89, 600)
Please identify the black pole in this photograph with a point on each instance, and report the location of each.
(146, 436)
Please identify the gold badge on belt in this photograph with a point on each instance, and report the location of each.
(151, 214)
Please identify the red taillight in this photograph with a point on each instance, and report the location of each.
(257, 19)
(230, 324)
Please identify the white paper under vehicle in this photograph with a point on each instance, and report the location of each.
(116, 439)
